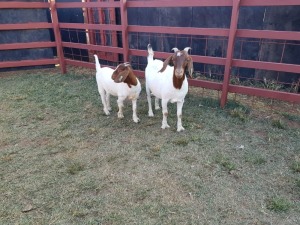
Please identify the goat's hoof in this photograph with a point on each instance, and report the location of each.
(165, 126)
(136, 120)
(180, 129)
(157, 108)
(120, 116)
(107, 113)
(150, 114)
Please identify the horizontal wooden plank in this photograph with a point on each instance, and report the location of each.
(90, 65)
(196, 58)
(209, 60)
(85, 26)
(281, 67)
(269, 2)
(23, 5)
(26, 26)
(208, 3)
(47, 44)
(87, 4)
(80, 63)
(93, 47)
(37, 62)
(139, 73)
(269, 34)
(178, 3)
(259, 92)
(144, 53)
(205, 84)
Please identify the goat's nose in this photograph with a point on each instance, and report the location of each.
(178, 71)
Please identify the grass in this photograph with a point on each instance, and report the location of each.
(62, 161)
(278, 204)
(278, 124)
(297, 183)
(296, 167)
(225, 162)
(239, 113)
(75, 167)
(255, 159)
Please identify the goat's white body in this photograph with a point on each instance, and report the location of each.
(161, 86)
(107, 87)
(107, 84)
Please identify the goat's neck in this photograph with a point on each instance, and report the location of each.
(131, 80)
(177, 82)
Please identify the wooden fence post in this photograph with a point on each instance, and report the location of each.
(230, 50)
(57, 35)
(124, 22)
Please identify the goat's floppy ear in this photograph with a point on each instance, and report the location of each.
(190, 67)
(168, 61)
(121, 76)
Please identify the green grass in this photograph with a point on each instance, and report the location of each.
(255, 159)
(278, 204)
(278, 124)
(62, 161)
(239, 113)
(296, 167)
(297, 183)
(291, 117)
(75, 167)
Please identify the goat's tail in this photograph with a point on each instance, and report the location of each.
(97, 63)
(150, 53)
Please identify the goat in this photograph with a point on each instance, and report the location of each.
(168, 83)
(120, 82)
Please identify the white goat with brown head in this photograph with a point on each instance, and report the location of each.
(167, 81)
(120, 82)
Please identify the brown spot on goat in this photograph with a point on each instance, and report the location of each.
(182, 63)
(124, 73)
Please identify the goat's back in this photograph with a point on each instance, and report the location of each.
(103, 76)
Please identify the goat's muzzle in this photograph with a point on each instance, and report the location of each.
(179, 72)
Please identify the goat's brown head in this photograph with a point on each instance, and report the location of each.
(181, 61)
(124, 73)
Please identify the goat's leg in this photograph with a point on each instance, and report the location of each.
(179, 116)
(164, 105)
(108, 101)
(150, 111)
(121, 106)
(134, 115)
(103, 100)
(157, 103)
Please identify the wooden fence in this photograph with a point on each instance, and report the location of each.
(125, 30)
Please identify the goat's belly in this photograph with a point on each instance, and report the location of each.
(176, 95)
(173, 100)
(156, 92)
(177, 98)
(133, 96)
(129, 93)
(111, 91)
